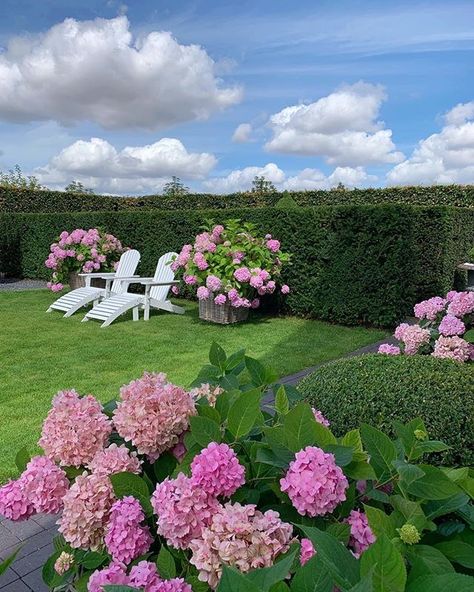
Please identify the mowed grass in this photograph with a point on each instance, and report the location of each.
(41, 354)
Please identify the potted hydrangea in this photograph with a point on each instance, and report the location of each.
(231, 268)
(83, 251)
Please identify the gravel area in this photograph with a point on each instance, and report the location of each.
(15, 284)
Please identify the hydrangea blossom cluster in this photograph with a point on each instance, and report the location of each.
(361, 534)
(208, 391)
(442, 321)
(217, 471)
(143, 576)
(231, 265)
(81, 251)
(63, 563)
(14, 504)
(114, 573)
(115, 459)
(125, 537)
(239, 536)
(314, 483)
(307, 551)
(319, 417)
(75, 429)
(153, 413)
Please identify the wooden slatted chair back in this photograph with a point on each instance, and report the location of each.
(126, 267)
(163, 273)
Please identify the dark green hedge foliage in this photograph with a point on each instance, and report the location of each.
(351, 264)
(378, 389)
(24, 200)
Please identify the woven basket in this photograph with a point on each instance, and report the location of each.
(224, 314)
(76, 281)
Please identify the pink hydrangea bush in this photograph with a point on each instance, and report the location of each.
(232, 265)
(441, 324)
(81, 251)
(361, 534)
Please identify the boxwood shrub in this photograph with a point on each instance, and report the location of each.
(379, 389)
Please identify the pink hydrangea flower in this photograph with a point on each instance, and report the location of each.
(217, 471)
(270, 287)
(115, 459)
(413, 336)
(14, 504)
(307, 551)
(63, 563)
(453, 348)
(200, 261)
(264, 275)
(256, 281)
(242, 274)
(74, 429)
(273, 245)
(209, 392)
(145, 576)
(232, 294)
(451, 325)
(203, 293)
(174, 585)
(45, 485)
(255, 303)
(182, 509)
(220, 299)
(319, 417)
(112, 574)
(361, 534)
(314, 483)
(429, 309)
(389, 349)
(175, 290)
(125, 537)
(285, 289)
(153, 413)
(86, 511)
(400, 331)
(190, 280)
(461, 304)
(204, 242)
(242, 537)
(213, 283)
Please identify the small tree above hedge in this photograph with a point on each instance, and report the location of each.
(381, 389)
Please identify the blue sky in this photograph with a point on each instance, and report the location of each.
(372, 85)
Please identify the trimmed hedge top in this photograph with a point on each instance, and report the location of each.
(379, 389)
(26, 200)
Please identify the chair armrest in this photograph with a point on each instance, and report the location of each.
(97, 275)
(151, 282)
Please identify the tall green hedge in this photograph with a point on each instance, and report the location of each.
(351, 264)
(25, 200)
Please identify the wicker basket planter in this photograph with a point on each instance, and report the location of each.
(76, 281)
(224, 314)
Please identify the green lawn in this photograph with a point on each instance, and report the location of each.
(42, 353)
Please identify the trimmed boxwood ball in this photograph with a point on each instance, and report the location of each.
(378, 389)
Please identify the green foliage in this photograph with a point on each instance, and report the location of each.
(15, 179)
(379, 389)
(286, 202)
(78, 187)
(262, 186)
(175, 188)
(350, 264)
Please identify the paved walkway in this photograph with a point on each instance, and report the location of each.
(15, 284)
(36, 535)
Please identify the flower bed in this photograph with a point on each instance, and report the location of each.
(168, 489)
(231, 267)
(81, 251)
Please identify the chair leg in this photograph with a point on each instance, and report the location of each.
(135, 314)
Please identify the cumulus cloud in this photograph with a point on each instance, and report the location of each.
(134, 169)
(442, 158)
(242, 133)
(95, 70)
(306, 179)
(342, 127)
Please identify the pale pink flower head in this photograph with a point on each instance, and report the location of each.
(220, 299)
(125, 537)
(307, 551)
(451, 295)
(451, 325)
(389, 349)
(203, 293)
(273, 245)
(429, 309)
(174, 585)
(264, 275)
(115, 459)
(285, 289)
(183, 510)
(216, 233)
(319, 417)
(217, 471)
(145, 576)
(114, 573)
(256, 281)
(414, 337)
(361, 534)
(462, 303)
(200, 261)
(204, 242)
(153, 413)
(86, 511)
(232, 294)
(63, 563)
(242, 274)
(242, 537)
(45, 485)
(190, 280)
(210, 392)
(14, 504)
(74, 429)
(400, 331)
(452, 348)
(213, 283)
(314, 483)
(270, 287)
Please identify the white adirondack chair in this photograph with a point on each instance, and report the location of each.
(156, 296)
(114, 284)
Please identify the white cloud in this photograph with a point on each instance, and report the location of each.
(134, 169)
(442, 158)
(95, 70)
(242, 133)
(306, 179)
(342, 127)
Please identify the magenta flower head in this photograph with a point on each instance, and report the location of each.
(217, 471)
(242, 274)
(213, 283)
(183, 510)
(285, 289)
(273, 245)
(462, 303)
(429, 309)
(74, 429)
(14, 503)
(145, 576)
(255, 303)
(114, 573)
(174, 585)
(203, 293)
(190, 280)
(125, 537)
(451, 325)
(389, 350)
(361, 533)
(220, 299)
(319, 417)
(45, 485)
(314, 483)
(307, 551)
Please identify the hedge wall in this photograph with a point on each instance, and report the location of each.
(351, 264)
(25, 200)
